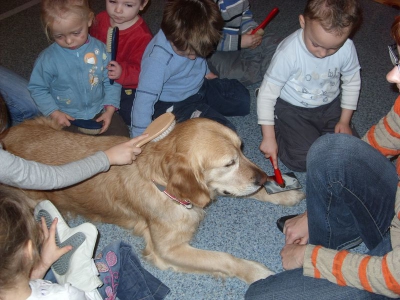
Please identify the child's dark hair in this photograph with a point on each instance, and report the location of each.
(51, 10)
(17, 228)
(3, 114)
(192, 24)
(395, 30)
(334, 15)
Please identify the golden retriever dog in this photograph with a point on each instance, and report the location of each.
(199, 160)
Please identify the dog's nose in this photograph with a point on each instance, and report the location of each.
(260, 178)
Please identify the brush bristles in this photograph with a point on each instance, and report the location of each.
(109, 39)
(89, 131)
(165, 132)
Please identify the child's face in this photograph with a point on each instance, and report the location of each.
(71, 31)
(319, 42)
(124, 12)
(394, 75)
(188, 53)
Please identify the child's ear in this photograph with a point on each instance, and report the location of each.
(302, 21)
(143, 5)
(29, 250)
(91, 18)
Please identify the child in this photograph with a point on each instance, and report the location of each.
(174, 74)
(134, 35)
(69, 80)
(303, 83)
(241, 55)
(27, 254)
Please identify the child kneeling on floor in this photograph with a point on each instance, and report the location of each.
(28, 253)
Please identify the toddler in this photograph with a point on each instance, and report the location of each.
(69, 80)
(312, 84)
(134, 35)
(174, 75)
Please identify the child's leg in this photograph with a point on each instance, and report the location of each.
(127, 97)
(227, 96)
(192, 107)
(296, 129)
(246, 65)
(124, 276)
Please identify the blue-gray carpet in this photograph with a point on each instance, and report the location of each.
(242, 227)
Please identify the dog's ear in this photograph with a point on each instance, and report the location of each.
(183, 183)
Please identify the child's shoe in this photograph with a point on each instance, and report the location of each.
(76, 266)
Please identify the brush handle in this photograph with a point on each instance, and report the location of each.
(268, 18)
(114, 46)
(278, 175)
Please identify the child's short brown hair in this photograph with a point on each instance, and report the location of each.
(395, 30)
(192, 24)
(334, 15)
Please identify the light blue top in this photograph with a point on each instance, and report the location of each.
(73, 81)
(164, 76)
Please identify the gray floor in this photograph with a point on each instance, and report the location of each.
(245, 228)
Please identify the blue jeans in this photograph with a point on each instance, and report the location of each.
(351, 191)
(123, 275)
(14, 90)
(216, 99)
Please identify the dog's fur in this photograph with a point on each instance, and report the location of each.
(198, 160)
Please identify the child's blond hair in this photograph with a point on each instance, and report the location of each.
(192, 24)
(17, 228)
(334, 15)
(51, 10)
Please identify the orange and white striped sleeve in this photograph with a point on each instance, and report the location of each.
(372, 273)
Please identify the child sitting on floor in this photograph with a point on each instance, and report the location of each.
(134, 35)
(69, 80)
(174, 75)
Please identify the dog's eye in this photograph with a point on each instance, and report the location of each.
(231, 163)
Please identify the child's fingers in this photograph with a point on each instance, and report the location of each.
(44, 227)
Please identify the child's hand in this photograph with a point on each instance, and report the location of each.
(106, 118)
(268, 144)
(250, 40)
(269, 147)
(125, 153)
(342, 127)
(211, 75)
(296, 230)
(50, 251)
(61, 118)
(114, 70)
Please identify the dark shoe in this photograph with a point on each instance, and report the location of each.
(280, 223)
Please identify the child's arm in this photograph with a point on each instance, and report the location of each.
(39, 85)
(266, 101)
(18, 172)
(239, 16)
(50, 252)
(350, 92)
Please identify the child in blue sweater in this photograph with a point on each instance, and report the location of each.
(69, 80)
(174, 74)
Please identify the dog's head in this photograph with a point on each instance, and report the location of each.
(202, 159)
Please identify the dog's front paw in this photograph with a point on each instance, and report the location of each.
(257, 272)
(287, 198)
